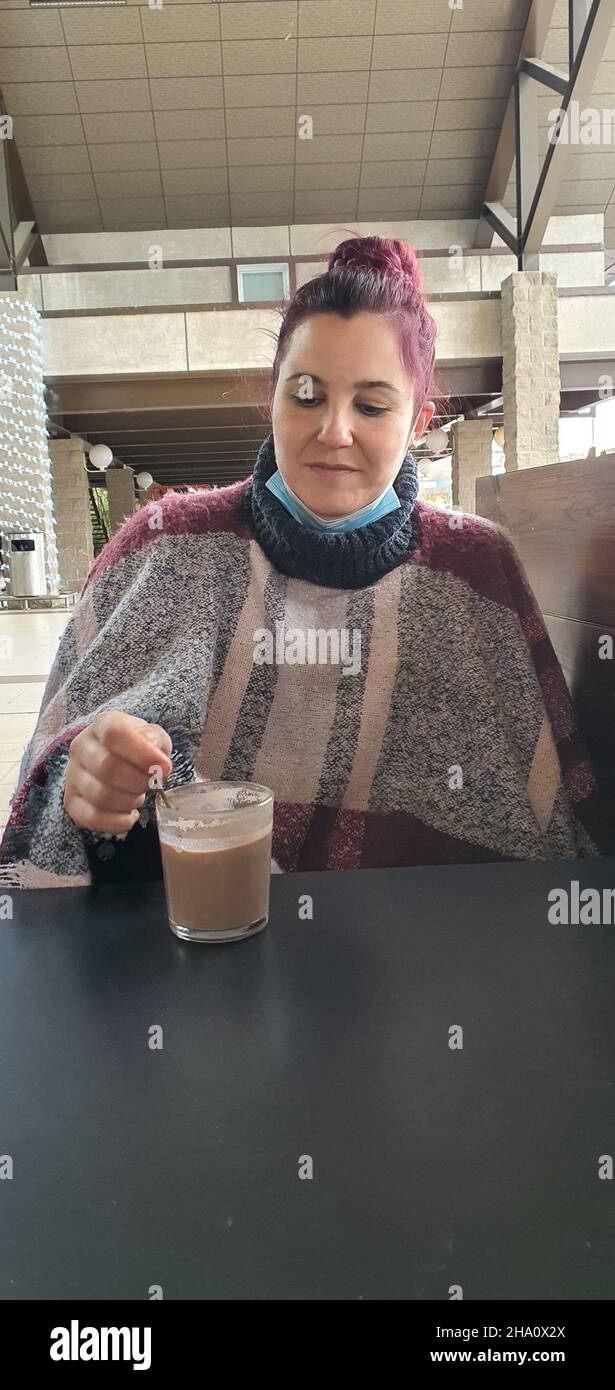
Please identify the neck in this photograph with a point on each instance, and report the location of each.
(328, 522)
(344, 559)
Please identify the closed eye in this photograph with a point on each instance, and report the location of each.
(370, 410)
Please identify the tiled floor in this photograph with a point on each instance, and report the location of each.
(28, 643)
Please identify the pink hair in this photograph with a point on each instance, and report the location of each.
(378, 275)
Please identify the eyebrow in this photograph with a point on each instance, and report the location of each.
(359, 385)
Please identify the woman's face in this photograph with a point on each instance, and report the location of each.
(339, 442)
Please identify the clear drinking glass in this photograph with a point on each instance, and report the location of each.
(215, 846)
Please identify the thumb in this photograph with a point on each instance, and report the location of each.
(159, 736)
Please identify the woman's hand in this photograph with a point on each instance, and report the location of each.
(109, 770)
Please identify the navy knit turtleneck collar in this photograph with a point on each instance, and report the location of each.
(349, 560)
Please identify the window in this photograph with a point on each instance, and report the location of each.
(263, 282)
(71, 4)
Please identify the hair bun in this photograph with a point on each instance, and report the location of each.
(385, 255)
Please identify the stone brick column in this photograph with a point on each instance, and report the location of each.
(471, 459)
(25, 468)
(122, 500)
(530, 368)
(71, 501)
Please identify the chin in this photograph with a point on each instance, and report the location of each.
(323, 506)
(336, 494)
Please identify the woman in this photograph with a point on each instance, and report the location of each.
(379, 663)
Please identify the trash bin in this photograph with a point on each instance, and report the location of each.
(26, 560)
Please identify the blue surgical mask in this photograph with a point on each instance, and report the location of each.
(388, 501)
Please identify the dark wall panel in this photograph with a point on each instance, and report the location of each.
(561, 519)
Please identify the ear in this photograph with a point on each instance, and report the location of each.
(421, 424)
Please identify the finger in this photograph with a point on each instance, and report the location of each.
(104, 797)
(160, 737)
(114, 773)
(87, 817)
(131, 746)
(114, 723)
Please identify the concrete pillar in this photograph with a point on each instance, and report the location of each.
(471, 459)
(25, 467)
(71, 500)
(122, 500)
(530, 369)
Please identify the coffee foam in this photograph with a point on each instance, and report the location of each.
(202, 844)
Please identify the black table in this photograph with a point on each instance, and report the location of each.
(329, 1039)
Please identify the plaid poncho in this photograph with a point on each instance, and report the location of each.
(395, 687)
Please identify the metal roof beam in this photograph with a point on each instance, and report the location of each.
(538, 185)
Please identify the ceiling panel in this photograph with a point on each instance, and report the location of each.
(137, 117)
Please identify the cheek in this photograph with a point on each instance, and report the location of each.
(276, 413)
(291, 428)
(398, 441)
(283, 434)
(287, 437)
(386, 437)
(282, 415)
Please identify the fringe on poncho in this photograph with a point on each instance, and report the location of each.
(452, 739)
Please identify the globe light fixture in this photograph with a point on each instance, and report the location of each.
(100, 456)
(437, 441)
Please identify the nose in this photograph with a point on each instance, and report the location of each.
(335, 431)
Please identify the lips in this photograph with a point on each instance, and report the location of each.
(331, 467)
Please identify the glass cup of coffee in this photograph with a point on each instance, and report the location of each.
(215, 846)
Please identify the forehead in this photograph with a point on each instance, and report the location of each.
(366, 342)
